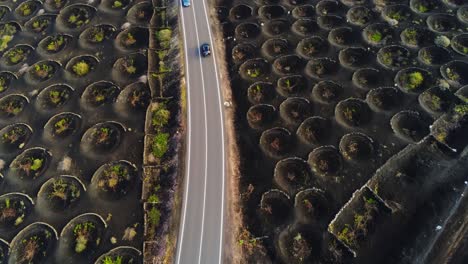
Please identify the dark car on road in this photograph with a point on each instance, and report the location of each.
(205, 50)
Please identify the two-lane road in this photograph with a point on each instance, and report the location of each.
(201, 227)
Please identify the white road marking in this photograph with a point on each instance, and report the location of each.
(221, 232)
(206, 136)
(181, 236)
(187, 167)
(206, 140)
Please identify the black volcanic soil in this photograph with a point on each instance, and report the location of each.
(345, 87)
(56, 83)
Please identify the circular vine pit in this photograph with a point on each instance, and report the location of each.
(413, 80)
(409, 126)
(462, 14)
(95, 35)
(304, 27)
(311, 206)
(269, 12)
(462, 93)
(454, 3)
(33, 244)
(326, 7)
(291, 85)
(341, 37)
(40, 24)
(275, 206)
(329, 22)
(460, 44)
(260, 92)
(42, 71)
(30, 164)
(327, 92)
(81, 238)
(436, 100)
(15, 208)
(54, 44)
(247, 30)
(441, 23)
(383, 98)
(378, 34)
(273, 48)
(134, 98)
(254, 69)
(54, 96)
(288, 64)
(276, 142)
(367, 78)
(102, 138)
(356, 147)
(314, 130)
(133, 38)
(395, 14)
(242, 52)
(12, 105)
(9, 31)
(353, 57)
(454, 73)
(100, 93)
(424, 6)
(415, 37)
(352, 3)
(54, 5)
(16, 55)
(360, 16)
(240, 12)
(297, 244)
(276, 27)
(261, 115)
(14, 137)
(311, 47)
(325, 161)
(60, 193)
(6, 78)
(393, 57)
(75, 17)
(353, 112)
(126, 255)
(129, 67)
(82, 66)
(114, 180)
(27, 9)
(140, 13)
(62, 126)
(294, 110)
(303, 11)
(292, 175)
(321, 68)
(434, 55)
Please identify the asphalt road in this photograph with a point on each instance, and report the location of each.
(201, 226)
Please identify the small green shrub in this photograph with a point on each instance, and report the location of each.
(160, 145)
(81, 68)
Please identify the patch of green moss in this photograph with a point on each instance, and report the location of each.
(160, 145)
(7, 32)
(461, 109)
(414, 80)
(112, 260)
(376, 36)
(81, 68)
